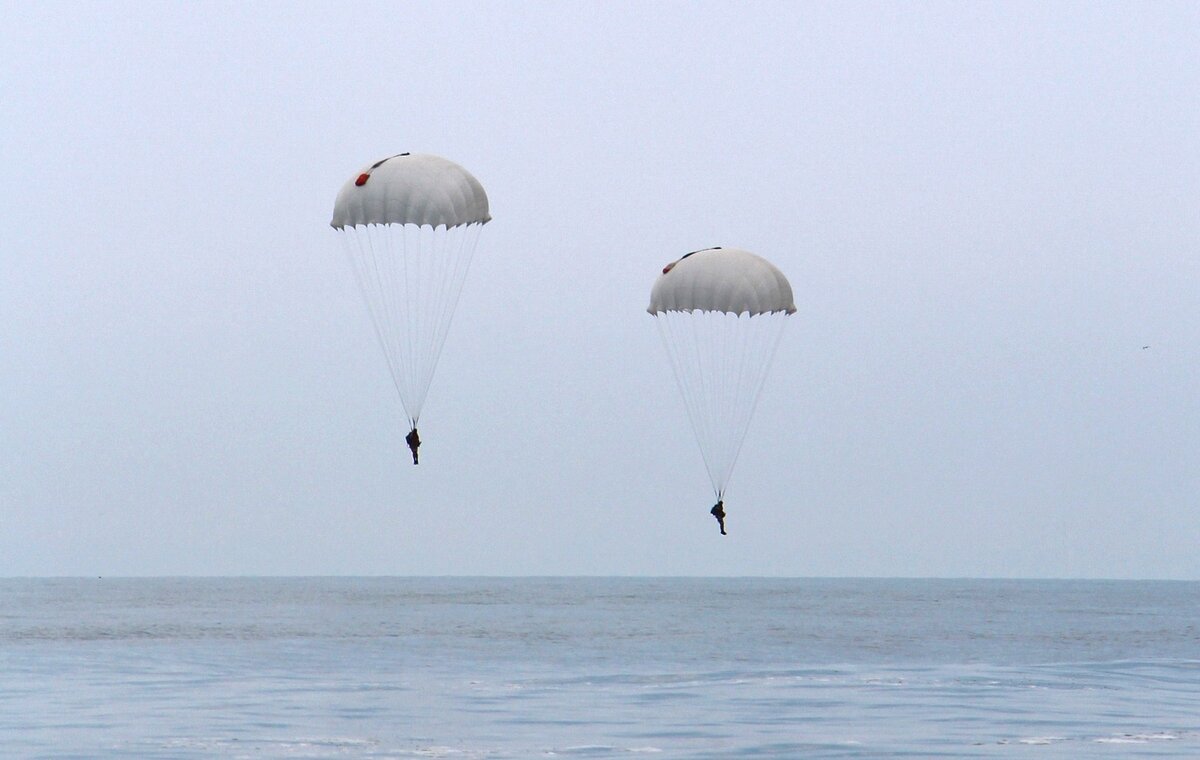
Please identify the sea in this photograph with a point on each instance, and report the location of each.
(598, 668)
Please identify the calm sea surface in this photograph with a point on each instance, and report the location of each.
(598, 668)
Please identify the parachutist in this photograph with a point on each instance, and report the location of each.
(413, 439)
(408, 289)
(718, 511)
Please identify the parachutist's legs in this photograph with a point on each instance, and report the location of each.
(413, 439)
(718, 511)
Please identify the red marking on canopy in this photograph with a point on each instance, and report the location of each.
(362, 179)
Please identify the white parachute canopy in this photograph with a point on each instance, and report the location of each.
(721, 312)
(409, 224)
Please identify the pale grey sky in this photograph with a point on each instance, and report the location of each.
(985, 211)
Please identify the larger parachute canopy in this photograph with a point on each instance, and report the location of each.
(411, 188)
(727, 280)
(409, 224)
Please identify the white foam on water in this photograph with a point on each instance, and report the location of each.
(1041, 740)
(1137, 738)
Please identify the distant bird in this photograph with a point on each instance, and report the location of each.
(1145, 347)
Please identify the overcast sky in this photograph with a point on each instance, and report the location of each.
(986, 212)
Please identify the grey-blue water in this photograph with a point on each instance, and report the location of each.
(598, 668)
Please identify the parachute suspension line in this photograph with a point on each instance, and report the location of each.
(704, 379)
(757, 356)
(674, 356)
(411, 278)
(410, 256)
(412, 282)
(359, 247)
(384, 257)
(451, 254)
(707, 382)
(437, 317)
(682, 343)
(725, 355)
(720, 361)
(425, 259)
(718, 351)
(707, 347)
(742, 413)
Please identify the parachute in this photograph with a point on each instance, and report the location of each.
(721, 312)
(409, 224)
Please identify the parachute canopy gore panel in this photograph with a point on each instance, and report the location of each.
(727, 280)
(411, 188)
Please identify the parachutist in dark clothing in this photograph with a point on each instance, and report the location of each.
(718, 511)
(414, 442)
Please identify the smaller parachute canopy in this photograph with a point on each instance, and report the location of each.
(411, 188)
(726, 280)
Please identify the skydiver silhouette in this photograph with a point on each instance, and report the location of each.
(718, 511)
(413, 439)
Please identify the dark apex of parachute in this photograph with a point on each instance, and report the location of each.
(362, 178)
